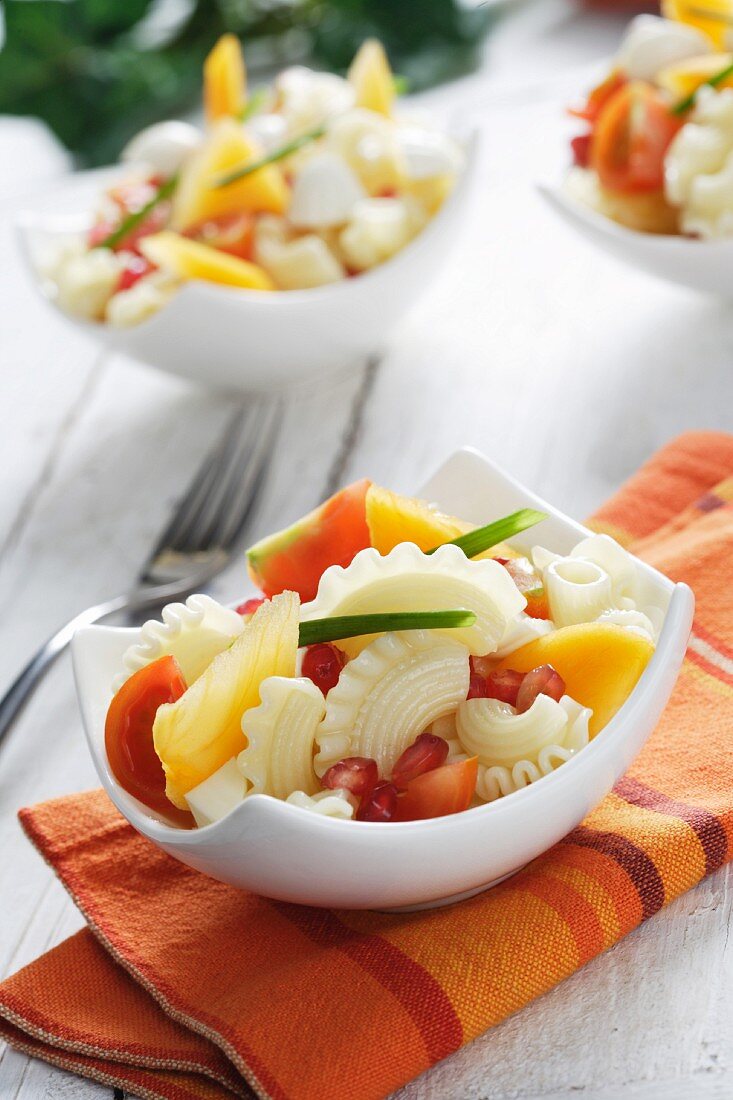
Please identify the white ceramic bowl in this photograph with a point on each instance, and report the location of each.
(248, 340)
(706, 266)
(285, 852)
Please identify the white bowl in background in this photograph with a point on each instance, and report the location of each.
(284, 852)
(249, 340)
(705, 266)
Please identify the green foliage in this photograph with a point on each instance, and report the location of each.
(98, 70)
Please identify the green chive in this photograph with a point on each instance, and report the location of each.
(352, 626)
(132, 221)
(483, 538)
(254, 104)
(291, 146)
(401, 84)
(688, 102)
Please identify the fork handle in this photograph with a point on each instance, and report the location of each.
(20, 690)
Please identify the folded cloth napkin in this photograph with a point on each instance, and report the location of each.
(182, 987)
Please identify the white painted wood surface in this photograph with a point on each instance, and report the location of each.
(567, 368)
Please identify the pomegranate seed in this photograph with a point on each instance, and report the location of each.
(501, 561)
(250, 606)
(322, 664)
(540, 681)
(134, 270)
(425, 753)
(357, 774)
(380, 804)
(504, 684)
(482, 666)
(477, 688)
(580, 146)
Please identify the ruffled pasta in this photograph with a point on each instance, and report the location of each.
(339, 803)
(193, 632)
(389, 694)
(517, 749)
(281, 735)
(408, 580)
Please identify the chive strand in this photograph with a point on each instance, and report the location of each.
(285, 150)
(688, 102)
(352, 626)
(132, 221)
(483, 538)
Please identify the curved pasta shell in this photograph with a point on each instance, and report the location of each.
(338, 803)
(193, 632)
(280, 736)
(517, 749)
(389, 694)
(494, 732)
(406, 579)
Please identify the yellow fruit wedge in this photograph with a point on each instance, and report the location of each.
(392, 519)
(227, 146)
(225, 80)
(372, 78)
(712, 17)
(203, 729)
(599, 662)
(192, 260)
(685, 77)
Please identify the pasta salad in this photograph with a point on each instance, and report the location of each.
(307, 182)
(655, 152)
(400, 664)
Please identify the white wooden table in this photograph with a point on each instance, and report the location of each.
(564, 366)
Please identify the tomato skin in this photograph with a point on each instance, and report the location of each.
(296, 558)
(444, 790)
(128, 733)
(630, 139)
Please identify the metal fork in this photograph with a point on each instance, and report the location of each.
(193, 548)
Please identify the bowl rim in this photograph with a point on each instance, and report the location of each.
(672, 641)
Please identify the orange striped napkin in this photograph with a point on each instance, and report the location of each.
(182, 987)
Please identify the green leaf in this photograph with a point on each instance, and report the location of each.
(483, 538)
(353, 626)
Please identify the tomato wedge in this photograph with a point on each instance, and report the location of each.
(444, 790)
(128, 733)
(599, 97)
(630, 139)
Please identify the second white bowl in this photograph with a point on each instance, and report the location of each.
(249, 340)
